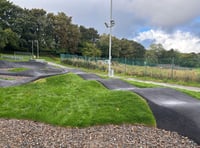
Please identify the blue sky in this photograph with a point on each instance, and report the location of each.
(173, 23)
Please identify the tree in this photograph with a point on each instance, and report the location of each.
(3, 39)
(65, 35)
(126, 48)
(73, 36)
(12, 40)
(131, 49)
(189, 60)
(6, 13)
(90, 50)
(103, 45)
(88, 34)
(38, 18)
(155, 53)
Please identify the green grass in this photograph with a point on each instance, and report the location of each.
(6, 78)
(193, 94)
(142, 85)
(68, 100)
(20, 69)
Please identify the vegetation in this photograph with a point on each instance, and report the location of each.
(191, 93)
(178, 76)
(21, 30)
(68, 100)
(20, 69)
(142, 84)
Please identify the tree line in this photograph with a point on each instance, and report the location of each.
(21, 28)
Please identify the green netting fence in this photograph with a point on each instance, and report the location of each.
(165, 69)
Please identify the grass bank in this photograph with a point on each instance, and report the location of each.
(193, 94)
(68, 100)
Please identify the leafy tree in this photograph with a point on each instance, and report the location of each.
(39, 22)
(6, 13)
(189, 60)
(12, 40)
(65, 35)
(155, 53)
(3, 39)
(90, 50)
(103, 45)
(88, 34)
(131, 49)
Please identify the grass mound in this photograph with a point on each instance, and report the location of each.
(68, 100)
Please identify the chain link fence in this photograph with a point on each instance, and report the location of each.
(165, 69)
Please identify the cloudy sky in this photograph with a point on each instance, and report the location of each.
(173, 23)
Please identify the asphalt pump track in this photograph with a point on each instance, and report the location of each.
(173, 110)
(35, 70)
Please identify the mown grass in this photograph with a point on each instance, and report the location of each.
(142, 85)
(19, 69)
(194, 94)
(191, 93)
(68, 100)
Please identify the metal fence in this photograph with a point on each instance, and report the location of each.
(169, 68)
(163, 62)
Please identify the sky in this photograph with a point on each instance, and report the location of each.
(172, 23)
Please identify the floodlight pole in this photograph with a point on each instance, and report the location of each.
(32, 49)
(37, 49)
(110, 25)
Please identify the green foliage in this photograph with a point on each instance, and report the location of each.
(90, 50)
(68, 100)
(120, 48)
(88, 34)
(8, 39)
(12, 39)
(3, 39)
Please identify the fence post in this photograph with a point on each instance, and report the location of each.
(172, 68)
(125, 65)
(145, 64)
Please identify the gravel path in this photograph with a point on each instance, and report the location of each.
(25, 134)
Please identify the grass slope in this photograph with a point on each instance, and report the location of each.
(68, 100)
(193, 94)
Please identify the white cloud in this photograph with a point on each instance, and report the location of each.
(165, 13)
(183, 41)
(129, 15)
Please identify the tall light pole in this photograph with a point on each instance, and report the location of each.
(110, 25)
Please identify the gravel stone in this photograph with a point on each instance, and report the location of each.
(29, 134)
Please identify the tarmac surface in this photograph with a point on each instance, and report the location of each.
(173, 110)
(35, 70)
